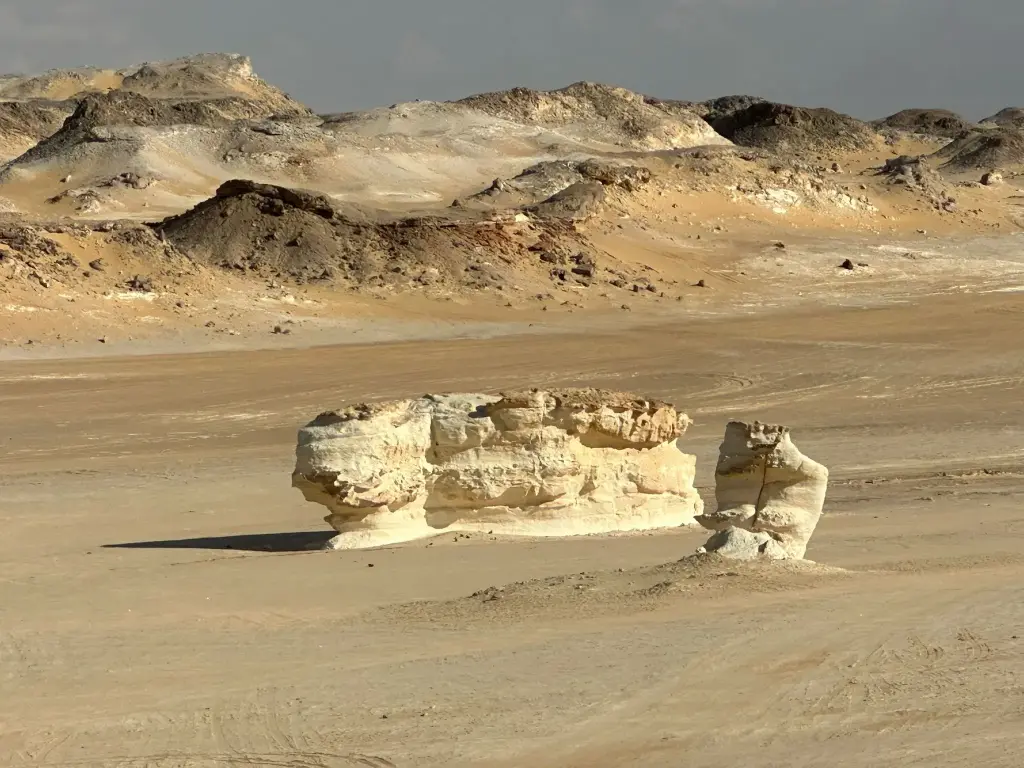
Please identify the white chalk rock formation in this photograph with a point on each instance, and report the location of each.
(764, 485)
(537, 463)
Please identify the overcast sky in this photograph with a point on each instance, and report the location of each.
(865, 57)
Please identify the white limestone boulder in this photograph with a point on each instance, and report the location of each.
(763, 484)
(739, 544)
(558, 463)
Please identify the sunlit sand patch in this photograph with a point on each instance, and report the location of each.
(132, 296)
(24, 308)
(211, 417)
(54, 377)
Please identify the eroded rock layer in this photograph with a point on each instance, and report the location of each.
(540, 463)
(764, 485)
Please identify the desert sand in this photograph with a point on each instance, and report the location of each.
(164, 598)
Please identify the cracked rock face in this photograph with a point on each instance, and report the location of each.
(764, 485)
(538, 463)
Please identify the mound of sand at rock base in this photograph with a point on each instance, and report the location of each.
(288, 234)
(784, 128)
(621, 592)
(984, 150)
(1011, 117)
(601, 113)
(928, 122)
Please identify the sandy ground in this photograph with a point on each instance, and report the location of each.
(159, 605)
(163, 602)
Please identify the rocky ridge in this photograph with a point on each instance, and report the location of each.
(785, 128)
(992, 148)
(608, 113)
(939, 123)
(281, 233)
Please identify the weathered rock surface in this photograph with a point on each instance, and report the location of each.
(1012, 117)
(724, 106)
(1001, 146)
(291, 234)
(578, 201)
(928, 122)
(921, 178)
(539, 463)
(785, 128)
(541, 181)
(739, 544)
(764, 485)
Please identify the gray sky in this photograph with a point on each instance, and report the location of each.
(865, 57)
